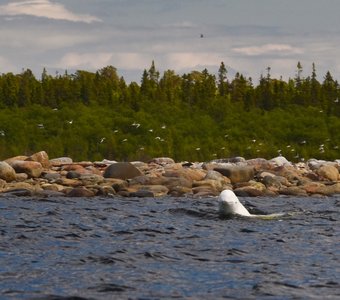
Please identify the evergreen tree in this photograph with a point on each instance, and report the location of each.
(222, 80)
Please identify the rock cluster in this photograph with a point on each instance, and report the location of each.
(37, 175)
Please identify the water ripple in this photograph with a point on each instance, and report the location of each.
(140, 248)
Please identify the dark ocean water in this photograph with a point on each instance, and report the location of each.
(167, 248)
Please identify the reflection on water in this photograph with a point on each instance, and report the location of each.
(106, 248)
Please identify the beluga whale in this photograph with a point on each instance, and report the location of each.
(230, 205)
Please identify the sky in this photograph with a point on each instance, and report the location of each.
(247, 35)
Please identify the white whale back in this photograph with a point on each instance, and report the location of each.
(228, 204)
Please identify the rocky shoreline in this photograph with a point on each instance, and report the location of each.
(39, 176)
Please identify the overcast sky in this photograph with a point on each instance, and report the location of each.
(247, 35)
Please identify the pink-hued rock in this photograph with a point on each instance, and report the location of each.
(15, 158)
(237, 174)
(190, 174)
(75, 167)
(293, 191)
(317, 188)
(328, 172)
(31, 168)
(41, 157)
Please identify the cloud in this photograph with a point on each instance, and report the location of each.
(44, 9)
(267, 49)
(179, 61)
(185, 60)
(6, 65)
(75, 60)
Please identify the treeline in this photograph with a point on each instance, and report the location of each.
(194, 116)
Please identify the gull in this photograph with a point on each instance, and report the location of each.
(116, 131)
(151, 130)
(102, 139)
(163, 127)
(336, 100)
(198, 149)
(157, 138)
(135, 124)
(2, 132)
(41, 126)
(70, 122)
(125, 140)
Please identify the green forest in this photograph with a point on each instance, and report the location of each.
(197, 116)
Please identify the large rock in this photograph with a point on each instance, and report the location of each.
(40, 157)
(190, 174)
(31, 168)
(280, 161)
(179, 191)
(162, 160)
(204, 191)
(289, 172)
(15, 158)
(237, 173)
(171, 182)
(122, 170)
(250, 189)
(156, 190)
(80, 192)
(293, 191)
(7, 173)
(59, 161)
(317, 188)
(75, 168)
(88, 179)
(328, 172)
(260, 164)
(51, 176)
(217, 185)
(2, 184)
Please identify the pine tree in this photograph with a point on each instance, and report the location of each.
(222, 80)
